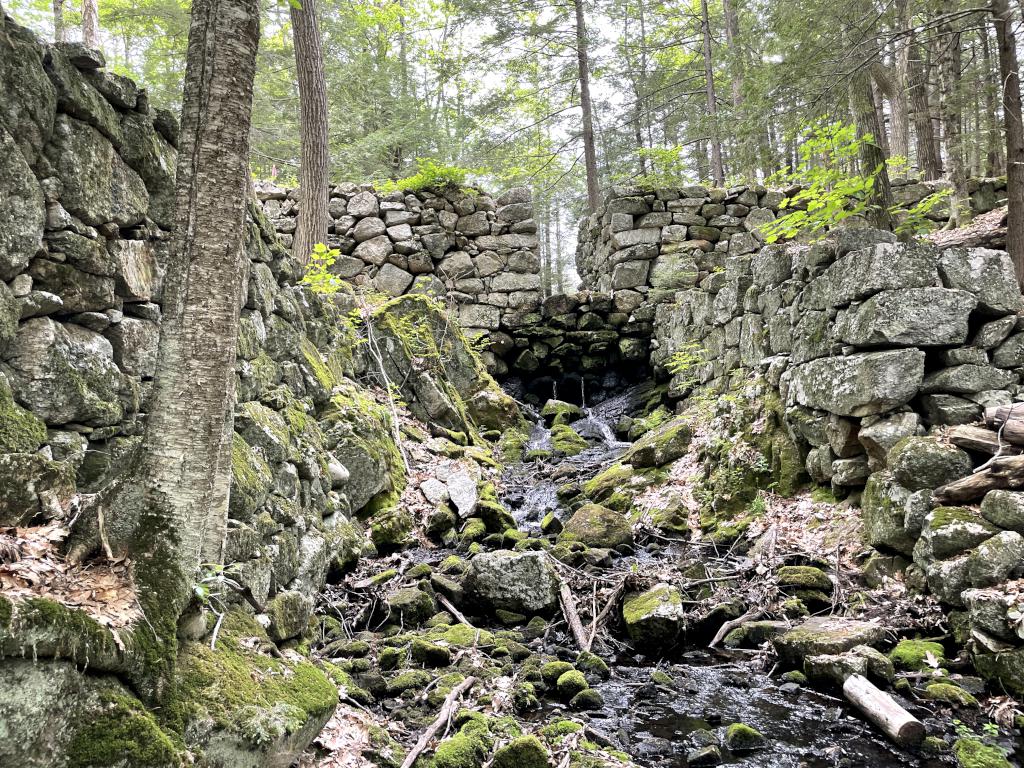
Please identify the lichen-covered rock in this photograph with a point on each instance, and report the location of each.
(521, 752)
(1005, 509)
(289, 613)
(654, 618)
(988, 608)
(598, 526)
(740, 738)
(859, 385)
(825, 635)
(410, 606)
(522, 582)
(883, 510)
(22, 212)
(662, 445)
(926, 462)
(21, 431)
(912, 317)
(949, 531)
(65, 373)
(986, 273)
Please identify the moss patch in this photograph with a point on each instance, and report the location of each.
(912, 655)
(123, 733)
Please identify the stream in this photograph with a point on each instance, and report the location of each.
(661, 725)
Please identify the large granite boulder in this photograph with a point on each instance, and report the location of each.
(927, 462)
(921, 317)
(22, 212)
(883, 509)
(521, 582)
(654, 618)
(988, 274)
(863, 273)
(825, 635)
(859, 385)
(598, 526)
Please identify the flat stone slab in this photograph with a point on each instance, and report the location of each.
(825, 635)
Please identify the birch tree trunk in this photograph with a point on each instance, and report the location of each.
(60, 33)
(186, 451)
(90, 23)
(1010, 76)
(717, 166)
(589, 145)
(311, 227)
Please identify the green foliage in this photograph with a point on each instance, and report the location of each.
(667, 167)
(828, 193)
(431, 175)
(914, 221)
(318, 277)
(684, 363)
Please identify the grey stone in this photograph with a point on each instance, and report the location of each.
(879, 435)
(22, 212)
(987, 274)
(1010, 354)
(363, 204)
(630, 274)
(135, 344)
(858, 275)
(392, 280)
(927, 462)
(375, 250)
(521, 582)
(967, 379)
(369, 228)
(949, 409)
(515, 281)
(632, 237)
(994, 332)
(1005, 509)
(883, 510)
(861, 384)
(911, 317)
(463, 492)
(480, 316)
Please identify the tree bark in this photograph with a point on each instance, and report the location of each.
(872, 156)
(186, 451)
(311, 227)
(924, 131)
(60, 33)
(90, 23)
(717, 167)
(589, 146)
(1010, 77)
(900, 88)
(994, 164)
(949, 76)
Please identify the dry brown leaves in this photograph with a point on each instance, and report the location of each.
(344, 742)
(31, 565)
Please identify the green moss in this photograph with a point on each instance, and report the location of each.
(823, 494)
(912, 655)
(567, 440)
(740, 737)
(466, 749)
(658, 677)
(553, 670)
(6, 612)
(804, 577)
(235, 684)
(124, 733)
(947, 693)
(390, 658)
(591, 663)
(638, 607)
(587, 699)
(20, 431)
(556, 731)
(473, 529)
(409, 680)
(391, 528)
(430, 654)
(973, 753)
(570, 683)
(453, 564)
(795, 676)
(524, 752)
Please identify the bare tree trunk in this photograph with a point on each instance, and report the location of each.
(949, 76)
(900, 89)
(91, 23)
(994, 163)
(879, 106)
(60, 33)
(924, 131)
(186, 452)
(717, 167)
(311, 227)
(559, 254)
(589, 147)
(1010, 76)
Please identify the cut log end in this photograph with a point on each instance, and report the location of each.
(884, 711)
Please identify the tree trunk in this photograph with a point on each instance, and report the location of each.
(1010, 77)
(949, 76)
(589, 147)
(898, 101)
(717, 167)
(186, 451)
(994, 165)
(311, 227)
(60, 33)
(90, 23)
(924, 131)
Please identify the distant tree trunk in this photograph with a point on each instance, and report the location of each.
(994, 165)
(186, 451)
(1010, 75)
(872, 156)
(60, 33)
(924, 131)
(900, 88)
(589, 146)
(311, 227)
(717, 167)
(559, 253)
(91, 23)
(949, 76)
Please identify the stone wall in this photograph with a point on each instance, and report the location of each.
(479, 252)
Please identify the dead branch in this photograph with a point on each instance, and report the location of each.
(729, 626)
(612, 601)
(444, 601)
(441, 721)
(572, 616)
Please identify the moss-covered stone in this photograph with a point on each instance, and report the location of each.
(523, 752)
(654, 618)
(912, 655)
(565, 440)
(947, 693)
(123, 733)
(661, 446)
(430, 654)
(553, 670)
(410, 605)
(589, 699)
(570, 683)
(20, 431)
(466, 749)
(598, 526)
(591, 664)
(740, 737)
(804, 577)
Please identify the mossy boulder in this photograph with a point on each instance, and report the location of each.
(570, 683)
(598, 526)
(523, 752)
(567, 441)
(587, 700)
(654, 618)
(883, 510)
(289, 613)
(1006, 668)
(410, 605)
(560, 412)
(20, 431)
(553, 670)
(913, 655)
(803, 577)
(466, 749)
(920, 463)
(950, 694)
(950, 531)
(662, 445)
(971, 752)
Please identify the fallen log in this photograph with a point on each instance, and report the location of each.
(981, 440)
(999, 473)
(572, 616)
(447, 710)
(884, 711)
(1008, 420)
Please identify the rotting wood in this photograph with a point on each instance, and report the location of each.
(610, 604)
(443, 716)
(572, 616)
(884, 711)
(980, 440)
(729, 626)
(1001, 472)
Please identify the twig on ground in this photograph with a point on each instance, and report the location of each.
(445, 714)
